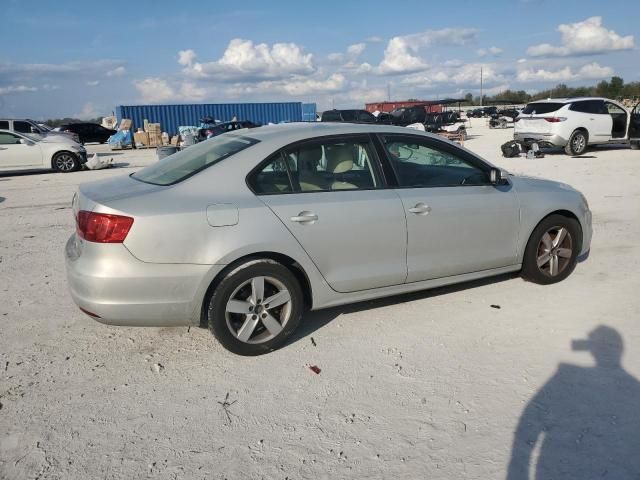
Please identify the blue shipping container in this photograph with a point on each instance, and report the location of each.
(170, 117)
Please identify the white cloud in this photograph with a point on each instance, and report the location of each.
(189, 91)
(374, 39)
(16, 89)
(117, 72)
(336, 57)
(186, 57)
(244, 60)
(154, 90)
(467, 75)
(495, 51)
(481, 52)
(588, 71)
(356, 49)
(93, 83)
(401, 54)
(88, 112)
(297, 86)
(583, 38)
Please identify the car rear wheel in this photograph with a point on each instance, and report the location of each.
(578, 143)
(552, 250)
(65, 162)
(256, 307)
(635, 145)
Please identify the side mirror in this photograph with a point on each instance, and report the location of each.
(498, 177)
(34, 130)
(24, 141)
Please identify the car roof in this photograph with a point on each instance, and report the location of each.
(293, 132)
(569, 99)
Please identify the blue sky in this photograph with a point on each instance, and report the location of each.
(83, 58)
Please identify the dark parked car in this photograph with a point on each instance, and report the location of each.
(88, 132)
(214, 130)
(350, 116)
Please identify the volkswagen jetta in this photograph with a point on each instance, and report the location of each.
(246, 231)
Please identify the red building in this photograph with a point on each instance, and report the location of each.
(389, 106)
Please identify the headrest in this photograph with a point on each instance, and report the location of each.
(339, 158)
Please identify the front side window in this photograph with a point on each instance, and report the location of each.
(8, 139)
(22, 127)
(4, 125)
(614, 109)
(188, 162)
(421, 164)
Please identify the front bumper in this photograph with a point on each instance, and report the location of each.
(587, 231)
(108, 281)
(543, 139)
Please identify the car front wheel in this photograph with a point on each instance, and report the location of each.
(65, 162)
(552, 251)
(255, 307)
(577, 143)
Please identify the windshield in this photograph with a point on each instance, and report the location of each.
(32, 137)
(181, 165)
(541, 108)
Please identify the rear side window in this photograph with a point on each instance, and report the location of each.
(272, 178)
(588, 106)
(349, 115)
(184, 164)
(4, 125)
(541, 108)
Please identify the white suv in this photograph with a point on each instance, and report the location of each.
(575, 123)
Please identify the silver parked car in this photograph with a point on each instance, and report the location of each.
(245, 231)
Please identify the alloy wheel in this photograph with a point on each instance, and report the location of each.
(578, 143)
(258, 310)
(65, 162)
(554, 251)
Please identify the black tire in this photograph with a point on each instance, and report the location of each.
(536, 249)
(65, 162)
(578, 143)
(221, 323)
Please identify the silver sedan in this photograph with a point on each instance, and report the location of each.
(245, 232)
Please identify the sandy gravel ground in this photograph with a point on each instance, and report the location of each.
(429, 385)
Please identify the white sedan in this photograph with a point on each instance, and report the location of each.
(21, 151)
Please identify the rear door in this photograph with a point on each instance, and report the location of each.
(457, 222)
(329, 194)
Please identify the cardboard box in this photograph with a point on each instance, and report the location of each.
(175, 139)
(141, 137)
(154, 128)
(155, 139)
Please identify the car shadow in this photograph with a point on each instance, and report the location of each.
(584, 422)
(316, 319)
(2, 199)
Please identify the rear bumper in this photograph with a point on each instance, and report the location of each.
(106, 280)
(544, 139)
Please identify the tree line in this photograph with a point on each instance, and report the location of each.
(615, 88)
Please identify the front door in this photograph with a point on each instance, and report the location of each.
(329, 195)
(634, 124)
(456, 221)
(14, 154)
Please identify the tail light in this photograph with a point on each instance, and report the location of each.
(555, 119)
(103, 227)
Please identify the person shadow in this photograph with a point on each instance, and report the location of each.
(586, 420)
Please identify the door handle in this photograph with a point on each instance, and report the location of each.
(420, 209)
(305, 217)
(2, 148)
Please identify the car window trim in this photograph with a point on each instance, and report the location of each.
(375, 164)
(437, 145)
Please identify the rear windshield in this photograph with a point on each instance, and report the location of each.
(541, 108)
(188, 162)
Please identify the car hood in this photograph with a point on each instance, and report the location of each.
(58, 137)
(525, 183)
